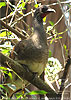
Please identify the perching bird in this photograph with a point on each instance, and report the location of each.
(33, 52)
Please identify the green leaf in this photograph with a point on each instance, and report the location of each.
(65, 46)
(3, 68)
(4, 51)
(69, 5)
(36, 5)
(66, 50)
(19, 5)
(37, 92)
(6, 72)
(4, 33)
(60, 37)
(21, 0)
(50, 53)
(10, 75)
(52, 40)
(4, 88)
(63, 32)
(2, 4)
(21, 12)
(51, 23)
(23, 4)
(18, 95)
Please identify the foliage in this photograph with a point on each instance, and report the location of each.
(53, 32)
(5, 33)
(24, 95)
(66, 50)
(37, 92)
(6, 45)
(2, 4)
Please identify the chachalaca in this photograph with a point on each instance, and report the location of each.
(33, 52)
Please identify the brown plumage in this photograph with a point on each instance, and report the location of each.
(33, 51)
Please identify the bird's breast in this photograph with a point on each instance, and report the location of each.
(35, 67)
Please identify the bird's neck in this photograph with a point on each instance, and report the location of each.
(39, 29)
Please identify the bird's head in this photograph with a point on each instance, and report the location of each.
(43, 11)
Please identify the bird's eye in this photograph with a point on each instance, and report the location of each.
(44, 10)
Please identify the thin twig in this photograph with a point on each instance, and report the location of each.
(12, 30)
(14, 12)
(26, 74)
(61, 17)
(64, 15)
(8, 38)
(35, 1)
(64, 2)
(67, 66)
(4, 18)
(6, 15)
(20, 19)
(62, 49)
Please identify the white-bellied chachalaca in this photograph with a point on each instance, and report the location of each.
(33, 52)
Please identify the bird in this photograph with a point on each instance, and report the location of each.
(33, 51)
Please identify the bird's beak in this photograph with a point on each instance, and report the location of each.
(51, 10)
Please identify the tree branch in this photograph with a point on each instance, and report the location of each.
(12, 30)
(24, 74)
(67, 66)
